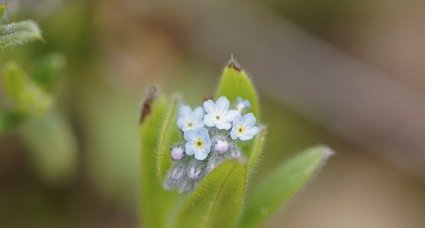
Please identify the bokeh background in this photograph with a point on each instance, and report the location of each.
(346, 73)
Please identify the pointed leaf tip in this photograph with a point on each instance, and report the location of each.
(235, 83)
(151, 94)
(233, 63)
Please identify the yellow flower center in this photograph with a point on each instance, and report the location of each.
(199, 144)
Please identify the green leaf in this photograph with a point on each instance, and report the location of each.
(25, 96)
(218, 200)
(257, 150)
(19, 33)
(168, 136)
(236, 83)
(282, 184)
(47, 70)
(52, 147)
(156, 203)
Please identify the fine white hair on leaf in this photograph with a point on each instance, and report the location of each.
(19, 33)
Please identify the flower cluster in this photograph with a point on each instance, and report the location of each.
(210, 137)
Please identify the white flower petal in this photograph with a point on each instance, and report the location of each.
(233, 134)
(231, 115)
(185, 110)
(203, 132)
(245, 137)
(209, 106)
(254, 130)
(198, 125)
(249, 120)
(189, 148)
(222, 104)
(198, 113)
(249, 133)
(223, 125)
(189, 135)
(209, 120)
(201, 156)
(181, 123)
(237, 120)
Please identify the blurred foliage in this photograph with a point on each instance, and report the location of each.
(2, 9)
(27, 106)
(47, 69)
(52, 147)
(108, 123)
(25, 96)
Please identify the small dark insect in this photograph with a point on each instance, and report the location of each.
(150, 96)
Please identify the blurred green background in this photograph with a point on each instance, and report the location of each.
(348, 74)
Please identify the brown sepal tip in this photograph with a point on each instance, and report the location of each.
(234, 64)
(151, 94)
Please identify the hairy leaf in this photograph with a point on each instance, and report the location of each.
(218, 200)
(282, 184)
(156, 203)
(18, 33)
(257, 150)
(168, 136)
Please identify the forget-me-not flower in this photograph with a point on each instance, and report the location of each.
(190, 120)
(198, 143)
(242, 104)
(244, 127)
(218, 113)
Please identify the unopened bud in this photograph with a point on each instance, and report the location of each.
(194, 173)
(221, 146)
(177, 153)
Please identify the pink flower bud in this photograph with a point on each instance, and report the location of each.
(221, 146)
(177, 153)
